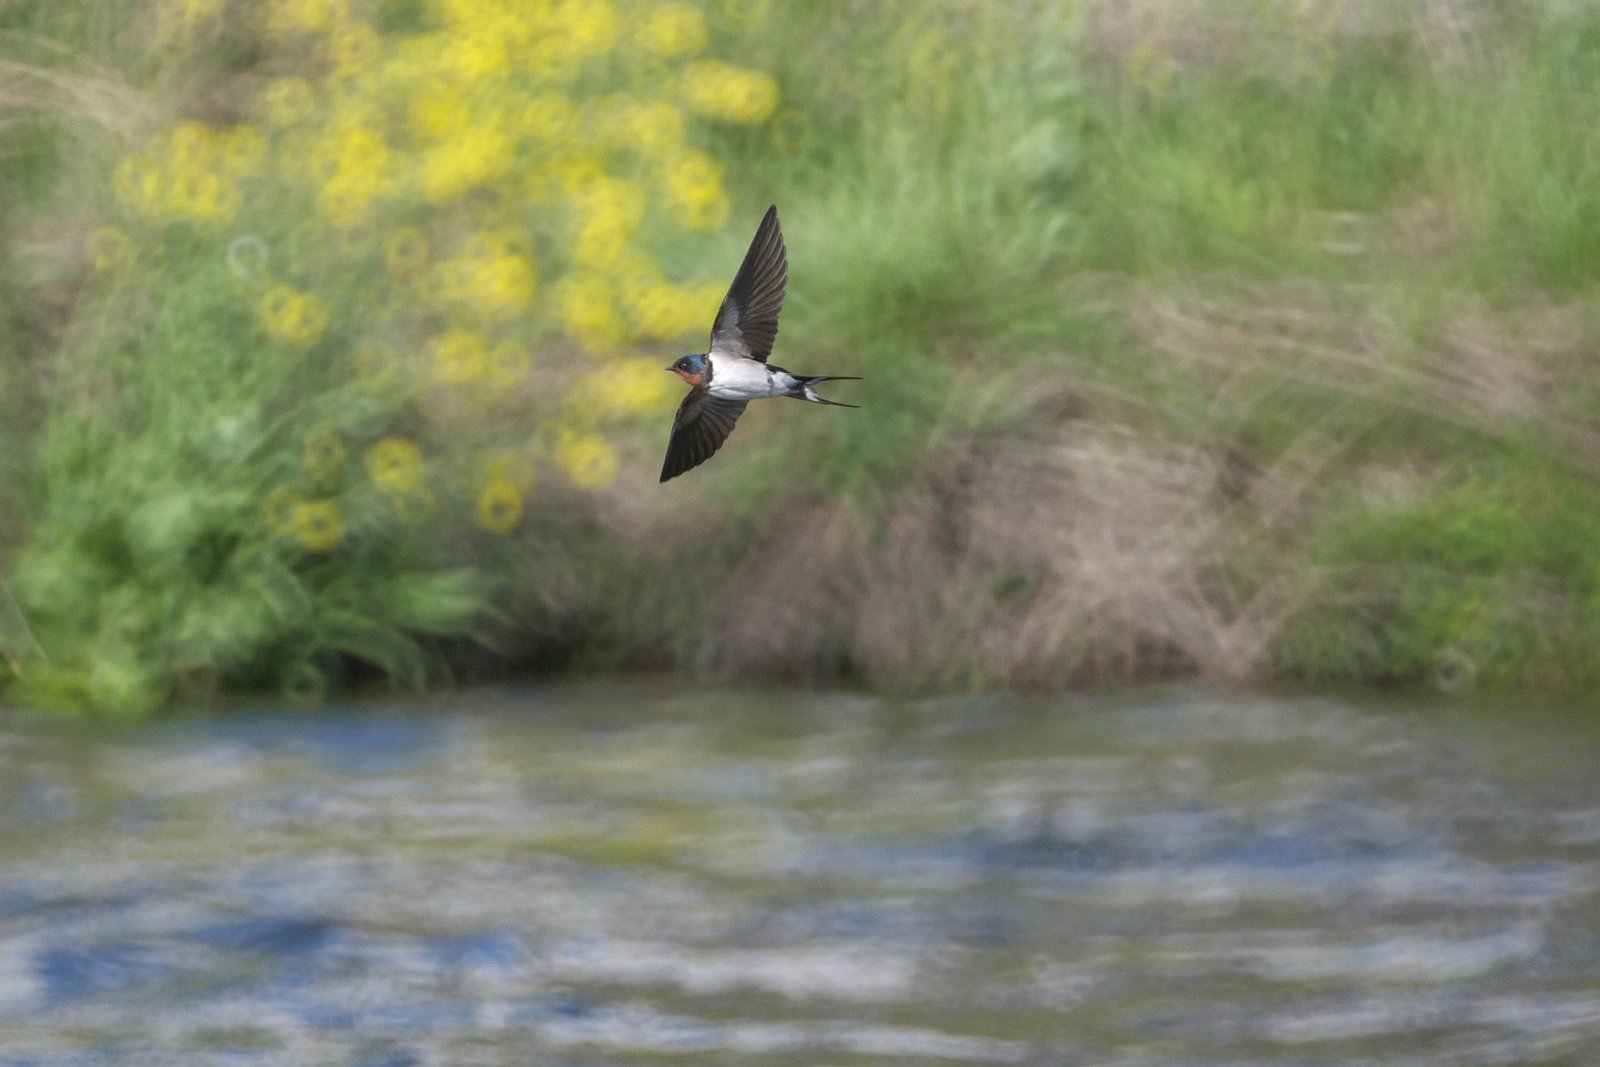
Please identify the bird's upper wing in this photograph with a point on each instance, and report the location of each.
(747, 322)
(703, 423)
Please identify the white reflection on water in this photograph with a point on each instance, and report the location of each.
(613, 875)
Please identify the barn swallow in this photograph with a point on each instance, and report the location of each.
(735, 371)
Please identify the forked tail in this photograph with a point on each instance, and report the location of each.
(808, 391)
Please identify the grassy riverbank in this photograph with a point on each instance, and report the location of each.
(1235, 339)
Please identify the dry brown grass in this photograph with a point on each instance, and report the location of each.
(1498, 374)
(1097, 555)
(1285, 35)
(1097, 548)
(67, 87)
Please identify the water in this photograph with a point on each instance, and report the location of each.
(629, 875)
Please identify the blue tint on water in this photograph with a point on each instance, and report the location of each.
(274, 935)
(614, 875)
(69, 973)
(356, 741)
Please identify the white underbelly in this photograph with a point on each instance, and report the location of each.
(745, 379)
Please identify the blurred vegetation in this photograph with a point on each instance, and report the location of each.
(1241, 338)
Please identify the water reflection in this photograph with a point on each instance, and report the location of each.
(617, 874)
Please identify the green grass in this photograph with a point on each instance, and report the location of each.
(1248, 346)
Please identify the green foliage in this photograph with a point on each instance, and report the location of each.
(1287, 304)
(1493, 580)
(295, 361)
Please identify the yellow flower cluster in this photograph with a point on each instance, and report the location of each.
(295, 318)
(488, 277)
(359, 170)
(499, 507)
(474, 191)
(672, 30)
(588, 460)
(191, 174)
(730, 94)
(317, 525)
(692, 185)
(395, 464)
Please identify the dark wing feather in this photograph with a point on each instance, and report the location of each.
(703, 423)
(747, 322)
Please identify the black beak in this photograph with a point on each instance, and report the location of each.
(666, 368)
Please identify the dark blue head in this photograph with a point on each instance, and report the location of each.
(696, 370)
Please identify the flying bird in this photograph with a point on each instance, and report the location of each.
(735, 371)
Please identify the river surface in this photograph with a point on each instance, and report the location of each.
(652, 874)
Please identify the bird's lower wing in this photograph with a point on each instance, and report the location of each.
(703, 423)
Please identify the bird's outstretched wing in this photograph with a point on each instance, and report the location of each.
(747, 322)
(703, 423)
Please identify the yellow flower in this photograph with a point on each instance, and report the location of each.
(588, 460)
(489, 277)
(361, 166)
(672, 30)
(325, 456)
(395, 464)
(460, 356)
(625, 387)
(345, 197)
(707, 214)
(288, 101)
(358, 148)
(610, 210)
(317, 525)
(437, 113)
(475, 52)
(693, 176)
(202, 196)
(295, 318)
(570, 173)
(279, 508)
(592, 26)
(461, 164)
(548, 118)
(652, 128)
(730, 94)
(693, 187)
(499, 507)
(137, 181)
(191, 143)
(664, 312)
(110, 248)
